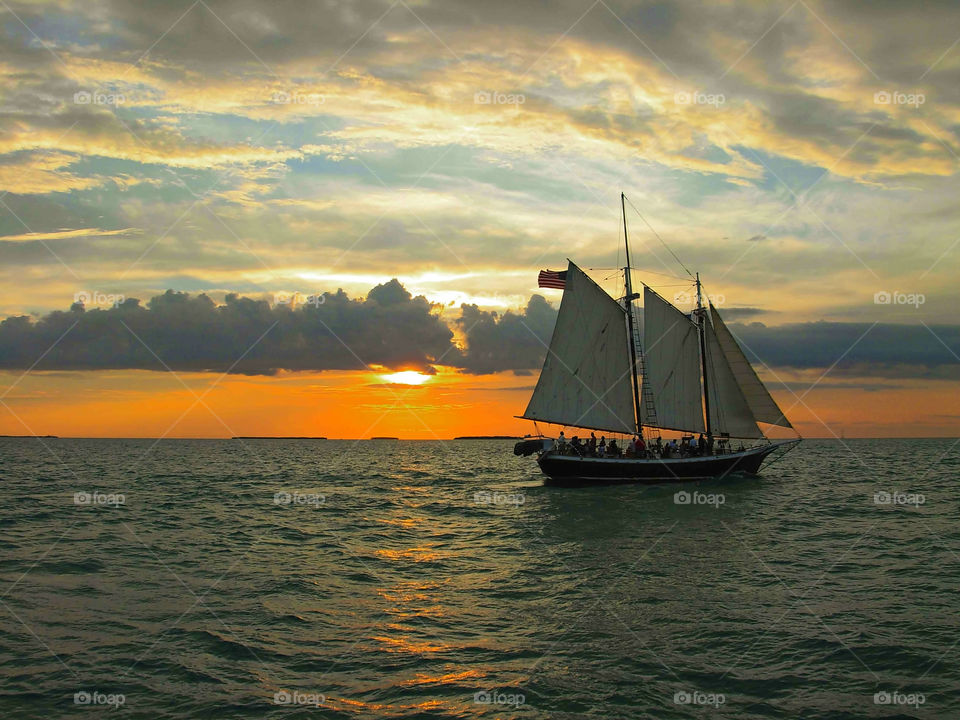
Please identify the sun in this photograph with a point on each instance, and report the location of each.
(406, 377)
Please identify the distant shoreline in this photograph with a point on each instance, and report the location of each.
(434, 439)
(277, 437)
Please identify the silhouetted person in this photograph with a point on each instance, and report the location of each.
(576, 446)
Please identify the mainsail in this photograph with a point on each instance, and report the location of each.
(671, 366)
(729, 410)
(585, 381)
(763, 407)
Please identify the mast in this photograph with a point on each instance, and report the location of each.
(629, 307)
(702, 318)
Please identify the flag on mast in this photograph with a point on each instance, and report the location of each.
(552, 279)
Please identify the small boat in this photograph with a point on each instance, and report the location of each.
(616, 368)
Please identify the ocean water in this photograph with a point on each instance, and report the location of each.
(335, 579)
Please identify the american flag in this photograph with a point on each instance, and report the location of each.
(552, 279)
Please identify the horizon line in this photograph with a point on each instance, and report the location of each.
(503, 436)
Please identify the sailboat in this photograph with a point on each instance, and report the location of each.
(615, 368)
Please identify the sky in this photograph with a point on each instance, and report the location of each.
(267, 209)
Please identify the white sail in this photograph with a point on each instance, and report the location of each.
(585, 381)
(671, 349)
(729, 411)
(761, 404)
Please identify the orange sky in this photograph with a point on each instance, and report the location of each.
(359, 405)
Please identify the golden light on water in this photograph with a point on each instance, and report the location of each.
(406, 377)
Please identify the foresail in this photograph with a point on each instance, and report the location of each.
(729, 411)
(585, 381)
(759, 400)
(671, 353)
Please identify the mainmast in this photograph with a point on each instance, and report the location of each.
(701, 327)
(629, 307)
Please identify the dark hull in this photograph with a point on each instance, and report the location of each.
(565, 469)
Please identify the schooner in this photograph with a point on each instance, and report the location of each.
(611, 368)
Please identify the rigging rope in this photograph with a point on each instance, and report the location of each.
(658, 237)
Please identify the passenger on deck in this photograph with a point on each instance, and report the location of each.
(561, 443)
(612, 449)
(702, 444)
(631, 450)
(640, 447)
(592, 445)
(576, 446)
(602, 447)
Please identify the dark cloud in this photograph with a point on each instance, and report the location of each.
(192, 333)
(391, 328)
(883, 350)
(510, 341)
(742, 313)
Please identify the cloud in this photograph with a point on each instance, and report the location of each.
(740, 313)
(191, 333)
(856, 349)
(509, 341)
(66, 234)
(393, 329)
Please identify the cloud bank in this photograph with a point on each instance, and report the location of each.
(393, 329)
(181, 332)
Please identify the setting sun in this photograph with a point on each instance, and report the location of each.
(406, 377)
